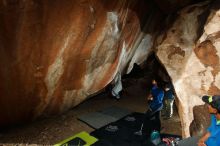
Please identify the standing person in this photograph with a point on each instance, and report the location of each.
(117, 86)
(212, 136)
(153, 112)
(168, 100)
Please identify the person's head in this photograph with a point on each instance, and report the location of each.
(213, 103)
(167, 87)
(154, 82)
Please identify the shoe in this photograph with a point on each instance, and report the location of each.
(117, 97)
(167, 118)
(111, 128)
(138, 133)
(163, 115)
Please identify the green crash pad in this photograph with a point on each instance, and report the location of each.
(81, 139)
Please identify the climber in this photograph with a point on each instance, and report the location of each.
(212, 136)
(153, 113)
(168, 100)
(117, 86)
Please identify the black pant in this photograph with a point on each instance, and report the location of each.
(151, 122)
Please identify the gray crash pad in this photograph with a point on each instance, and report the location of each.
(103, 117)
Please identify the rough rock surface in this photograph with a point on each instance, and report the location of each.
(54, 54)
(191, 57)
(201, 121)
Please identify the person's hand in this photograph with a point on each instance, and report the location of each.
(150, 97)
(201, 142)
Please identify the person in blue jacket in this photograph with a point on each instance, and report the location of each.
(212, 136)
(153, 112)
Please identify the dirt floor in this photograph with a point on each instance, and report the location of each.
(54, 129)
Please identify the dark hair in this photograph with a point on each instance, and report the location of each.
(218, 111)
(213, 106)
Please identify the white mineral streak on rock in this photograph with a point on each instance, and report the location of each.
(217, 77)
(211, 28)
(217, 80)
(142, 51)
(103, 52)
(54, 73)
(104, 47)
(212, 25)
(72, 97)
(123, 59)
(55, 70)
(217, 46)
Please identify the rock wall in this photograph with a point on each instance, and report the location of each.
(55, 54)
(190, 52)
(201, 121)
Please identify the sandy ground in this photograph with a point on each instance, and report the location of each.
(54, 129)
